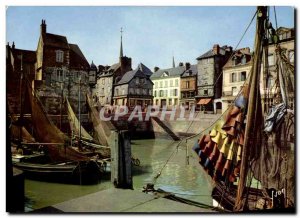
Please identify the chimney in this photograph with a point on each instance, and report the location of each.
(187, 65)
(156, 69)
(43, 27)
(180, 64)
(216, 49)
(13, 46)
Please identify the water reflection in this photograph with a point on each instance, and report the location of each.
(186, 181)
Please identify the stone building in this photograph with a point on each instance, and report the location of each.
(269, 75)
(61, 70)
(135, 88)
(111, 76)
(235, 73)
(210, 79)
(188, 85)
(166, 90)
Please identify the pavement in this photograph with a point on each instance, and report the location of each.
(121, 201)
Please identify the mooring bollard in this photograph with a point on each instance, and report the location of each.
(121, 175)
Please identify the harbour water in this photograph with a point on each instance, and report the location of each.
(156, 155)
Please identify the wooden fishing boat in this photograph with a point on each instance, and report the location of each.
(81, 172)
(237, 148)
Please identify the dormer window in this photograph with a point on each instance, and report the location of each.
(244, 59)
(59, 56)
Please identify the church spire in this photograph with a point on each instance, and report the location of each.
(173, 62)
(121, 48)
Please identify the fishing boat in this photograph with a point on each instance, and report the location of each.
(59, 159)
(244, 145)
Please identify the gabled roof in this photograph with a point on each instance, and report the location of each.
(145, 69)
(77, 59)
(176, 71)
(54, 40)
(192, 71)
(111, 70)
(128, 76)
(211, 53)
(207, 54)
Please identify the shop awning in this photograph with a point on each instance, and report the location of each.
(204, 101)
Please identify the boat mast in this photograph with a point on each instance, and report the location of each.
(251, 111)
(79, 118)
(21, 103)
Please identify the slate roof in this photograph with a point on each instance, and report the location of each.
(210, 53)
(145, 69)
(239, 54)
(193, 69)
(172, 72)
(110, 71)
(128, 76)
(54, 40)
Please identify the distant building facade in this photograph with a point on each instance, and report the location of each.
(210, 77)
(235, 73)
(167, 89)
(135, 88)
(188, 85)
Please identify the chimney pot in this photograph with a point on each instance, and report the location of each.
(156, 69)
(216, 49)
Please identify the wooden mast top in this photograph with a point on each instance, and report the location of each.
(252, 106)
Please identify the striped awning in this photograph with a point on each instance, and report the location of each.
(204, 101)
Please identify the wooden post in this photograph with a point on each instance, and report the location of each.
(121, 174)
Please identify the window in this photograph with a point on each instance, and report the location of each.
(205, 92)
(150, 92)
(243, 76)
(142, 80)
(233, 77)
(131, 91)
(175, 92)
(160, 84)
(117, 91)
(171, 83)
(123, 91)
(166, 84)
(138, 91)
(291, 56)
(155, 85)
(176, 82)
(234, 91)
(144, 91)
(59, 56)
(103, 81)
(166, 93)
(59, 75)
(170, 101)
(161, 93)
(234, 61)
(154, 93)
(137, 81)
(187, 84)
(271, 60)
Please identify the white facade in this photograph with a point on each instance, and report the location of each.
(166, 91)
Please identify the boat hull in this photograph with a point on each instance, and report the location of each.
(84, 172)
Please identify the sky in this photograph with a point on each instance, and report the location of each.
(152, 35)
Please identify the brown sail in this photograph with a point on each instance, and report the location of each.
(47, 132)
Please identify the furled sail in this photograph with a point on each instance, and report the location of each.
(102, 128)
(47, 132)
(75, 125)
